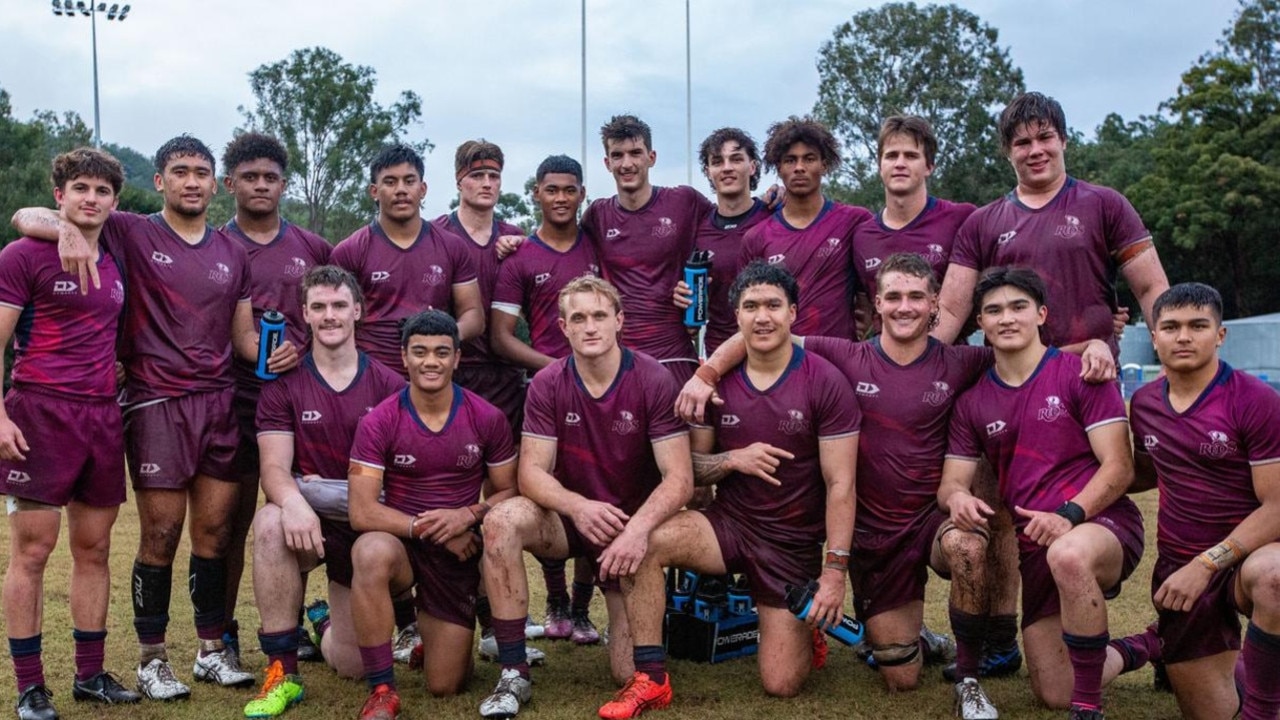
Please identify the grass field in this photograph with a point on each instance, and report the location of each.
(575, 680)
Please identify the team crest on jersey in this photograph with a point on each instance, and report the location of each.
(64, 287)
(831, 248)
(612, 234)
(795, 423)
(468, 460)
(220, 274)
(160, 258)
(117, 293)
(1052, 409)
(378, 276)
(730, 421)
(541, 278)
(594, 268)
(665, 228)
(1071, 228)
(775, 259)
(626, 423)
(434, 275)
(1219, 445)
(871, 263)
(572, 418)
(296, 268)
(1006, 238)
(404, 460)
(934, 253)
(17, 477)
(938, 396)
(866, 388)
(996, 428)
(1149, 442)
(311, 416)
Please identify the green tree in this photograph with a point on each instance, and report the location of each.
(937, 61)
(324, 111)
(1254, 40)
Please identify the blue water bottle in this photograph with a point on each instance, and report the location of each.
(270, 336)
(800, 599)
(695, 276)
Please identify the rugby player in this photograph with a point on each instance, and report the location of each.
(604, 460)
(780, 450)
(1061, 452)
(1210, 436)
(306, 421)
(430, 449)
(280, 254)
(61, 440)
(188, 307)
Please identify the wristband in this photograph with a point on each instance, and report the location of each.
(836, 566)
(837, 559)
(1072, 512)
(1223, 555)
(707, 374)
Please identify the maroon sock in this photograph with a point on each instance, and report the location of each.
(282, 646)
(1138, 650)
(91, 648)
(511, 646)
(652, 661)
(969, 631)
(1088, 655)
(26, 661)
(1260, 675)
(379, 666)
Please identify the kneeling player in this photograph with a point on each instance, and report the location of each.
(604, 461)
(431, 449)
(781, 452)
(306, 421)
(1211, 436)
(1060, 448)
(61, 441)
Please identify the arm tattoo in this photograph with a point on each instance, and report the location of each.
(709, 469)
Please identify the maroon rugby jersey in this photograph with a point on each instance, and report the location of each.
(1071, 243)
(1204, 456)
(529, 283)
(427, 470)
(809, 403)
(643, 253)
(930, 235)
(484, 258)
(604, 446)
(322, 420)
(722, 237)
(906, 414)
(401, 282)
(1036, 436)
(64, 340)
(275, 278)
(181, 302)
(821, 259)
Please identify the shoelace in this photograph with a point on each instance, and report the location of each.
(634, 689)
(972, 693)
(275, 676)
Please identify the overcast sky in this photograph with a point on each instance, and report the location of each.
(509, 70)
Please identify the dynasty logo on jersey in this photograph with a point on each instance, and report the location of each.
(995, 428)
(868, 389)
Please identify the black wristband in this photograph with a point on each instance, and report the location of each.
(1072, 512)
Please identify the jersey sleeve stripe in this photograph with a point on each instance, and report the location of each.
(500, 463)
(552, 438)
(854, 433)
(682, 433)
(507, 308)
(1108, 421)
(375, 466)
(1264, 461)
(275, 432)
(969, 458)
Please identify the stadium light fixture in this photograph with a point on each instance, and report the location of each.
(65, 8)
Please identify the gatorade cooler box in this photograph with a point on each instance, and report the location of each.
(709, 618)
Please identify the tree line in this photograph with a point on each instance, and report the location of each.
(1202, 169)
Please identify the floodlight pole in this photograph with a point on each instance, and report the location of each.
(583, 158)
(68, 8)
(97, 116)
(688, 95)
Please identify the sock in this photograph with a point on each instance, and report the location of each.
(652, 661)
(969, 631)
(26, 661)
(207, 580)
(1138, 650)
(1088, 654)
(282, 646)
(553, 576)
(91, 648)
(484, 614)
(151, 585)
(378, 667)
(406, 613)
(1002, 632)
(511, 646)
(1260, 674)
(582, 593)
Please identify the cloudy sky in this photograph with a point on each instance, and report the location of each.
(508, 70)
